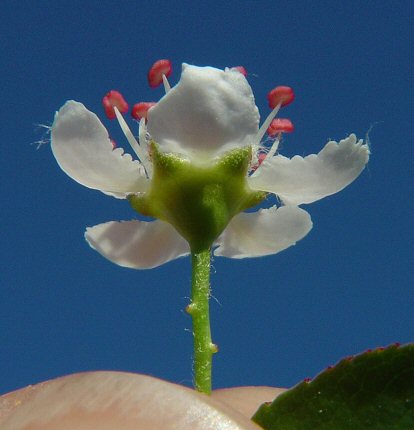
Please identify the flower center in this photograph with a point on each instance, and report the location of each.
(198, 201)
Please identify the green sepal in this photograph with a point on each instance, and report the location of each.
(371, 391)
(198, 200)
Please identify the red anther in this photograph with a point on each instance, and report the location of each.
(280, 125)
(240, 69)
(280, 95)
(114, 98)
(307, 380)
(114, 145)
(140, 110)
(260, 158)
(159, 68)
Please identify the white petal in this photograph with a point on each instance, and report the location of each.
(265, 232)
(208, 112)
(137, 244)
(304, 180)
(84, 151)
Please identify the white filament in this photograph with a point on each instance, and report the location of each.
(265, 125)
(167, 85)
(142, 136)
(142, 155)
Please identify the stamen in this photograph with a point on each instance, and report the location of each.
(114, 99)
(156, 72)
(260, 158)
(167, 85)
(280, 125)
(140, 110)
(274, 147)
(266, 124)
(271, 153)
(142, 136)
(143, 157)
(142, 133)
(280, 95)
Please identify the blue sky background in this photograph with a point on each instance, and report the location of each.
(345, 288)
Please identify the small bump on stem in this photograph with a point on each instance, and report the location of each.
(214, 348)
(191, 308)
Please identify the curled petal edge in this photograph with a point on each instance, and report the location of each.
(303, 180)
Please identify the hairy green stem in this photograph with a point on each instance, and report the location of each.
(199, 311)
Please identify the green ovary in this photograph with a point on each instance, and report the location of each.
(199, 201)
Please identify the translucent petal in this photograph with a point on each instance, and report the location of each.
(304, 180)
(265, 232)
(137, 244)
(208, 112)
(115, 400)
(84, 151)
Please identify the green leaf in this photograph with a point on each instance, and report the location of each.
(371, 391)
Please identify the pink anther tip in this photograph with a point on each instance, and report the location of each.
(240, 69)
(280, 95)
(114, 98)
(280, 125)
(140, 110)
(260, 158)
(159, 68)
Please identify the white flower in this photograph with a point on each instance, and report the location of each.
(209, 113)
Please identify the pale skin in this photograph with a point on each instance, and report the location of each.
(114, 400)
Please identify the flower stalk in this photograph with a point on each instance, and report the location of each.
(204, 348)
